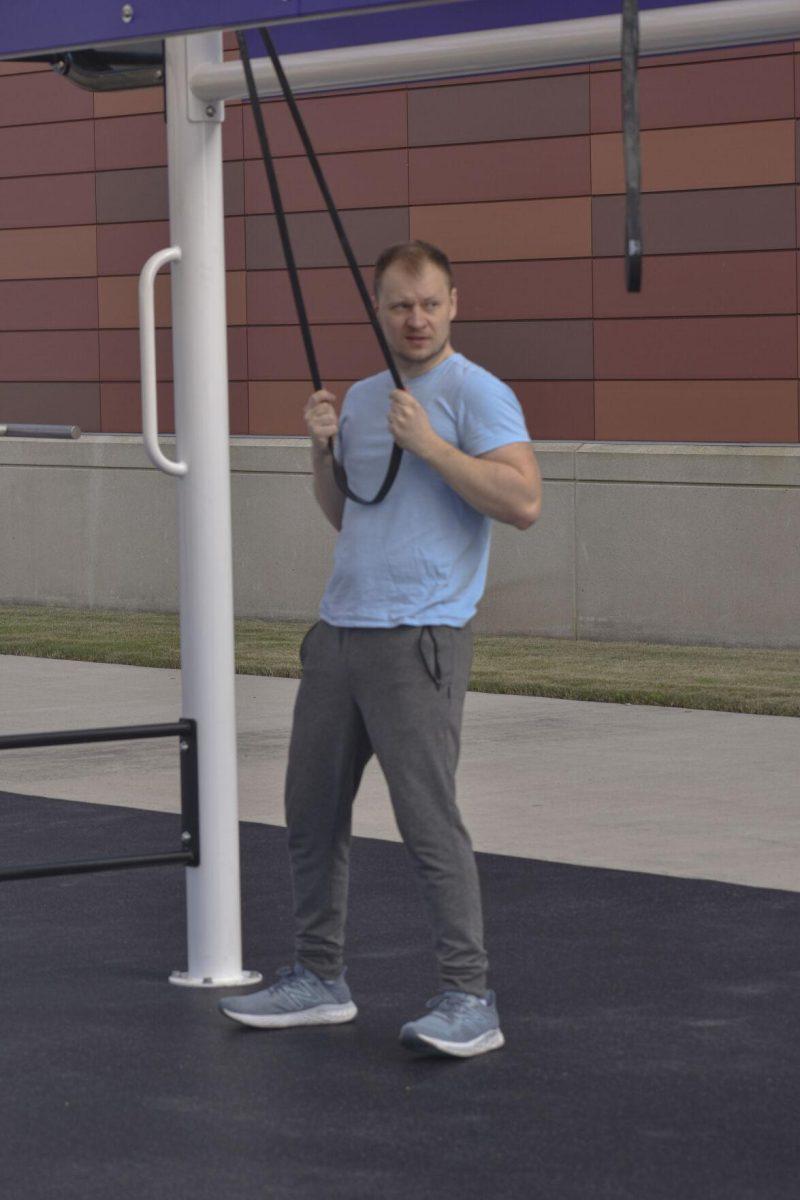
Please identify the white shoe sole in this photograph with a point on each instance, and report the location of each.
(492, 1040)
(323, 1014)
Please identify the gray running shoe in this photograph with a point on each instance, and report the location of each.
(459, 1024)
(298, 998)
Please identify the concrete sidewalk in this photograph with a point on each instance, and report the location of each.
(670, 791)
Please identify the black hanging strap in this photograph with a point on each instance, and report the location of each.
(283, 229)
(630, 134)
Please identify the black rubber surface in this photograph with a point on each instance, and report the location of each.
(653, 1030)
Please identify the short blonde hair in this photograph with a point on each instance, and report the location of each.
(413, 256)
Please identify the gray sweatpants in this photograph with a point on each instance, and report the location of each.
(398, 693)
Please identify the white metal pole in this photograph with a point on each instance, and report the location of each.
(199, 339)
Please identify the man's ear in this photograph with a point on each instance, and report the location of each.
(454, 301)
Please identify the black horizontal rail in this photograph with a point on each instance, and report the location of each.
(186, 730)
(91, 865)
(76, 737)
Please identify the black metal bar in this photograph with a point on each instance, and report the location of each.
(190, 795)
(77, 737)
(631, 145)
(186, 730)
(89, 866)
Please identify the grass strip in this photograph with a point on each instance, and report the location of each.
(703, 677)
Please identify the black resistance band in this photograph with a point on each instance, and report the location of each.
(283, 229)
(630, 134)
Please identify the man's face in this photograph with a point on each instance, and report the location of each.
(415, 312)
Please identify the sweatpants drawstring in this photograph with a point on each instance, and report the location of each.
(436, 673)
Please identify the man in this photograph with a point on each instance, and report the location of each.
(386, 668)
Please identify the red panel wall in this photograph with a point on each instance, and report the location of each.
(518, 178)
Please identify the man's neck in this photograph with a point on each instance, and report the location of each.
(416, 370)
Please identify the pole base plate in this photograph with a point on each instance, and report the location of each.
(184, 979)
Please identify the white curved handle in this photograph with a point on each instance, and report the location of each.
(147, 346)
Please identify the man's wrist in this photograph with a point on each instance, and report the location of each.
(435, 449)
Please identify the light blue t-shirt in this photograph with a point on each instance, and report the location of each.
(420, 556)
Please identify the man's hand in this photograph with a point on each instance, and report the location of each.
(409, 424)
(321, 420)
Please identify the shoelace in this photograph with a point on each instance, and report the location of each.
(290, 980)
(450, 1004)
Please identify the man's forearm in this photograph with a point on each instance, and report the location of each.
(326, 491)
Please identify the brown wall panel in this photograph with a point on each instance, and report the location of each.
(701, 285)
(128, 104)
(135, 195)
(119, 354)
(315, 242)
(343, 351)
(697, 348)
(141, 141)
(750, 89)
(49, 356)
(706, 411)
(118, 301)
(239, 406)
(118, 297)
(122, 249)
(529, 349)
(233, 188)
(235, 244)
(63, 148)
(329, 293)
(557, 106)
(767, 50)
(500, 171)
(123, 142)
(38, 98)
(47, 200)
(236, 297)
(48, 253)
(232, 133)
(691, 222)
(371, 179)
(516, 290)
(562, 410)
(514, 229)
(508, 291)
(122, 408)
(499, 175)
(23, 68)
(371, 121)
(52, 404)
(48, 304)
(715, 156)
(276, 406)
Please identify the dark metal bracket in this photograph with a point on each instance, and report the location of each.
(112, 69)
(189, 856)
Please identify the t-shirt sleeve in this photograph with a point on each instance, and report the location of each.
(490, 415)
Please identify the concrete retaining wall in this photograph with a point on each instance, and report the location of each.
(676, 543)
